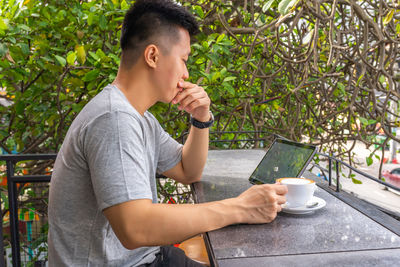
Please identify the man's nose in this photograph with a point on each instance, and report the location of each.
(185, 74)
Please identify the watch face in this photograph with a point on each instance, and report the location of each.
(212, 116)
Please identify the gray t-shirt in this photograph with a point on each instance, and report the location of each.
(110, 155)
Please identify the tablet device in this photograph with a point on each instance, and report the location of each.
(284, 158)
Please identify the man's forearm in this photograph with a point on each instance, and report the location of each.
(142, 223)
(164, 224)
(194, 154)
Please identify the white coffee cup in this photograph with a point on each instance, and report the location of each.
(300, 191)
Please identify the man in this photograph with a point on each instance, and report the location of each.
(103, 207)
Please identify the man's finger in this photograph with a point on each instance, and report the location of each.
(195, 104)
(187, 93)
(185, 84)
(186, 100)
(279, 189)
(281, 199)
(279, 208)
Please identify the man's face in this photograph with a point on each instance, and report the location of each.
(171, 67)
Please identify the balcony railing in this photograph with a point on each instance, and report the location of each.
(12, 186)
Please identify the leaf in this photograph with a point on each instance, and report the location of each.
(80, 34)
(102, 22)
(24, 27)
(359, 80)
(3, 49)
(91, 75)
(388, 17)
(215, 76)
(3, 25)
(267, 5)
(80, 53)
(341, 87)
(277, 107)
(62, 97)
(369, 160)
(100, 53)
(356, 181)
(124, 5)
(93, 55)
(220, 38)
(229, 88)
(90, 19)
(76, 107)
(61, 60)
(24, 48)
(308, 37)
(231, 78)
(285, 5)
(19, 108)
(364, 121)
(71, 57)
(50, 120)
(199, 11)
(115, 58)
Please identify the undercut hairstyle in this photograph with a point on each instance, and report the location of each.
(153, 22)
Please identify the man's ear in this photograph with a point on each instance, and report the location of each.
(151, 55)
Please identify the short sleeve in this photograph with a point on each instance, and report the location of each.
(170, 151)
(113, 146)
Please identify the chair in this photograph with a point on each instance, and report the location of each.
(195, 248)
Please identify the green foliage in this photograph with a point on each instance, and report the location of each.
(45, 68)
(55, 56)
(268, 66)
(369, 160)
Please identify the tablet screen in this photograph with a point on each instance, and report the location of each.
(283, 159)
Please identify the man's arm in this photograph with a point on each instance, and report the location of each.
(140, 223)
(194, 100)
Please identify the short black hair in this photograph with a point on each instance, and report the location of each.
(147, 20)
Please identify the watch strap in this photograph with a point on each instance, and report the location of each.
(200, 124)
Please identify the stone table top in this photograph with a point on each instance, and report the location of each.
(335, 235)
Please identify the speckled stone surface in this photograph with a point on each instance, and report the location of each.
(336, 228)
(376, 258)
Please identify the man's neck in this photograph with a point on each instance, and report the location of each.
(136, 88)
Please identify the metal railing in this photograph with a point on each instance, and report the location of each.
(12, 181)
(264, 135)
(331, 158)
(337, 169)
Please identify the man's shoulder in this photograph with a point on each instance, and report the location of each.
(105, 106)
(111, 99)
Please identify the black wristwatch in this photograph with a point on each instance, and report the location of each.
(202, 125)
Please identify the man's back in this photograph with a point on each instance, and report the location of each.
(95, 169)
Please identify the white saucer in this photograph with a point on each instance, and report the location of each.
(305, 209)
